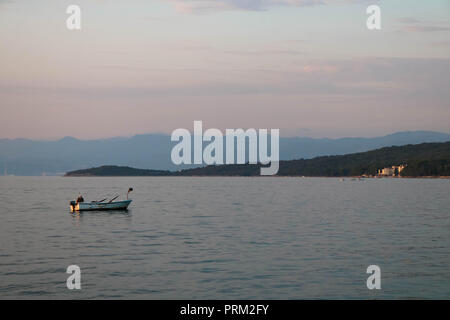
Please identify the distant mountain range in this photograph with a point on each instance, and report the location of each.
(426, 159)
(152, 151)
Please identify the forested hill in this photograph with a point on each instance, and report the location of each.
(116, 171)
(427, 159)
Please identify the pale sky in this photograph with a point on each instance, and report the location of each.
(307, 67)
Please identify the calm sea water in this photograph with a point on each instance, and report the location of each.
(226, 238)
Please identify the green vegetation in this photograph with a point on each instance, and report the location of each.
(427, 159)
(116, 171)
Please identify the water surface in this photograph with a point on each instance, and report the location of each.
(226, 238)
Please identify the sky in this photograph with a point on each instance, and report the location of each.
(307, 67)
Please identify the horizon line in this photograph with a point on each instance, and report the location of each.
(167, 134)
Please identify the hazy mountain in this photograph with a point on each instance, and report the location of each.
(307, 148)
(152, 151)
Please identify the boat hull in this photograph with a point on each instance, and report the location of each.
(100, 206)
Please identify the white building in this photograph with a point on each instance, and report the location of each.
(391, 171)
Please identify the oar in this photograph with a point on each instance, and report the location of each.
(113, 199)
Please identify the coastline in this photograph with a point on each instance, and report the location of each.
(254, 176)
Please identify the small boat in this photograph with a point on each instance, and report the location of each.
(100, 205)
(94, 206)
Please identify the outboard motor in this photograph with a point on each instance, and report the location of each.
(72, 205)
(129, 190)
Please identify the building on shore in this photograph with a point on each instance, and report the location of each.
(393, 171)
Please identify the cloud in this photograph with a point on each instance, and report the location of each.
(441, 43)
(350, 94)
(425, 28)
(4, 2)
(409, 20)
(204, 6)
(266, 52)
(409, 79)
(415, 25)
(320, 68)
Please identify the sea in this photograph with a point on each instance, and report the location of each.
(226, 238)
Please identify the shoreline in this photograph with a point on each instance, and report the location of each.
(255, 176)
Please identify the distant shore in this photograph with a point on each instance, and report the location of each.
(256, 176)
(426, 160)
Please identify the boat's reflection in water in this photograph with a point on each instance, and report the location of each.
(79, 216)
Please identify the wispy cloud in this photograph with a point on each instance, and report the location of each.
(425, 28)
(356, 77)
(204, 6)
(409, 20)
(441, 43)
(4, 2)
(409, 24)
(265, 52)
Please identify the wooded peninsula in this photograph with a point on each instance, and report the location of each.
(421, 160)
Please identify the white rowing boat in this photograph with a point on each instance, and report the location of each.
(100, 205)
(94, 206)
